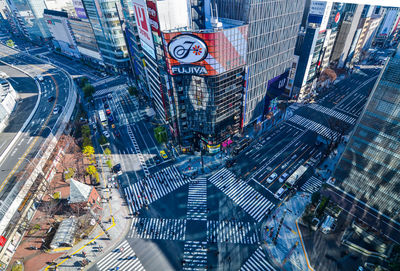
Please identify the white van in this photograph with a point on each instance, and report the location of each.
(279, 193)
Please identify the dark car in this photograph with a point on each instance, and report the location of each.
(157, 159)
(110, 118)
(117, 168)
(50, 99)
(106, 105)
(117, 134)
(104, 99)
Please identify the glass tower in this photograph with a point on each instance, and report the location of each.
(273, 29)
(369, 166)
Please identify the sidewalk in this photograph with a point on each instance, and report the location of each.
(288, 252)
(115, 219)
(325, 169)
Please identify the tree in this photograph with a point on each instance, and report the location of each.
(109, 163)
(315, 197)
(83, 81)
(85, 130)
(133, 91)
(88, 90)
(91, 170)
(107, 151)
(88, 151)
(103, 140)
(160, 134)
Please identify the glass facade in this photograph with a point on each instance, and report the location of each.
(104, 18)
(369, 166)
(273, 28)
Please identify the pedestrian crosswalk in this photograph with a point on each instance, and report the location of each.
(232, 232)
(194, 255)
(315, 126)
(257, 262)
(158, 228)
(252, 202)
(312, 185)
(332, 113)
(153, 187)
(138, 151)
(123, 258)
(197, 200)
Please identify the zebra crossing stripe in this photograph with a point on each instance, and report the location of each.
(195, 255)
(257, 262)
(312, 185)
(314, 126)
(332, 113)
(158, 229)
(255, 204)
(125, 260)
(154, 187)
(232, 232)
(197, 200)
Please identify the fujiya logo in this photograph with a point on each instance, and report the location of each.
(187, 49)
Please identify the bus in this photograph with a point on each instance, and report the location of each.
(102, 117)
(291, 181)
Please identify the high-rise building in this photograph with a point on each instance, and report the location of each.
(104, 17)
(273, 29)
(346, 35)
(390, 21)
(28, 15)
(369, 166)
(61, 32)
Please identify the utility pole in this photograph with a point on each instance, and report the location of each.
(279, 228)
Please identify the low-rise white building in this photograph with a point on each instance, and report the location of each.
(8, 101)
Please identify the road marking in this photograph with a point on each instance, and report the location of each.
(17, 165)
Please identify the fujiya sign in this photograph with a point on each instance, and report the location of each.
(187, 49)
(189, 69)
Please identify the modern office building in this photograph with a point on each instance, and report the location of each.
(28, 15)
(309, 64)
(389, 24)
(369, 166)
(346, 34)
(62, 36)
(273, 29)
(104, 18)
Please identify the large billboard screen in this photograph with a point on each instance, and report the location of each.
(275, 88)
(205, 53)
(79, 9)
(388, 22)
(143, 25)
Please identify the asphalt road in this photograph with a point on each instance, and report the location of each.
(292, 143)
(55, 84)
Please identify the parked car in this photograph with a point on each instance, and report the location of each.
(163, 154)
(272, 177)
(50, 99)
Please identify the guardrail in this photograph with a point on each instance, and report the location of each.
(46, 150)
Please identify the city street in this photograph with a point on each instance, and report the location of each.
(54, 84)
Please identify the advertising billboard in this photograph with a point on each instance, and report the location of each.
(201, 53)
(275, 88)
(388, 22)
(153, 16)
(79, 9)
(143, 25)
